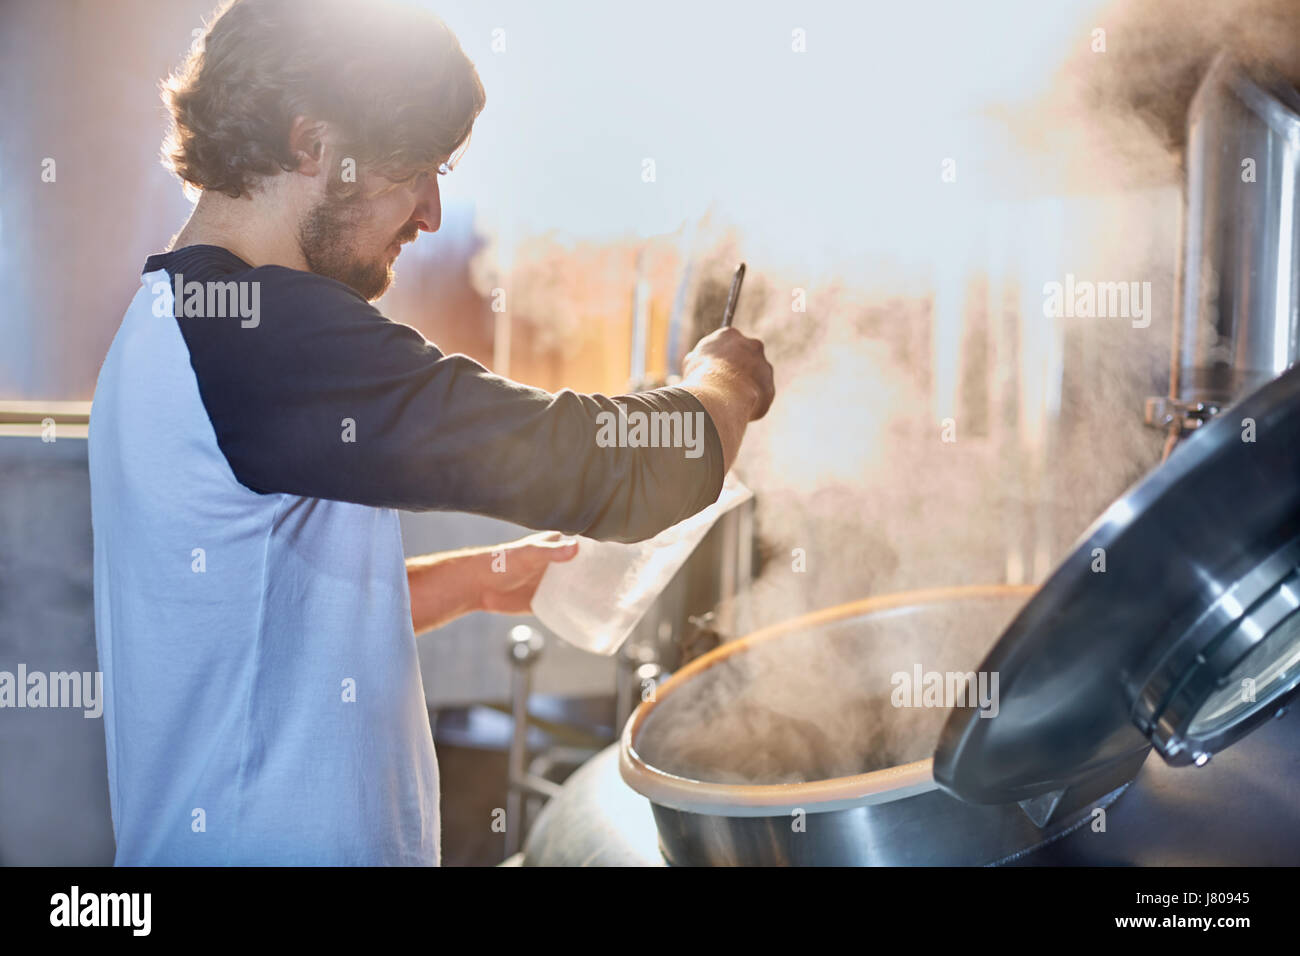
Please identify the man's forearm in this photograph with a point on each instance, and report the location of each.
(444, 587)
(501, 578)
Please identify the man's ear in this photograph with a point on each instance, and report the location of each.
(307, 144)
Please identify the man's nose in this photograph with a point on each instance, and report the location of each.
(428, 214)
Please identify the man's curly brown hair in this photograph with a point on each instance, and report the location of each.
(392, 79)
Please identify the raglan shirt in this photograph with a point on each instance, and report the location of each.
(263, 700)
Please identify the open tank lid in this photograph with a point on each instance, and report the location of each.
(1175, 622)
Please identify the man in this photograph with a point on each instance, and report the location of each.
(257, 422)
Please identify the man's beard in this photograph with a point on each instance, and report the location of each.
(325, 236)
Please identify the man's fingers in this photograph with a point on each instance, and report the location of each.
(544, 548)
(558, 550)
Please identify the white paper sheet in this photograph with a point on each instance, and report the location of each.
(595, 600)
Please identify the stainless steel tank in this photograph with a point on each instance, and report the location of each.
(846, 661)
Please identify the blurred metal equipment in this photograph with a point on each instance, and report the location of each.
(1238, 294)
(54, 806)
(524, 648)
(636, 663)
(701, 637)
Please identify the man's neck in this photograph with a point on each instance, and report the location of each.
(259, 236)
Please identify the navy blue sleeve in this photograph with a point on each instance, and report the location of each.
(324, 397)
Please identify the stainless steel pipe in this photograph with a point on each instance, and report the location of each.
(1239, 291)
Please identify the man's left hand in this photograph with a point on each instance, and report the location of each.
(515, 569)
(502, 578)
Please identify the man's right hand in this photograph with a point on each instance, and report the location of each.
(728, 373)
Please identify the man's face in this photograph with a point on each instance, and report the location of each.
(356, 240)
